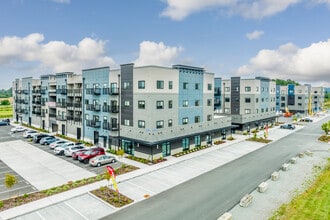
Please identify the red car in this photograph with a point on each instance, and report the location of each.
(85, 156)
(76, 154)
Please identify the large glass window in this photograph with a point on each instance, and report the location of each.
(248, 89)
(185, 121)
(197, 140)
(160, 84)
(247, 100)
(196, 102)
(197, 86)
(141, 104)
(170, 104)
(185, 85)
(141, 84)
(170, 84)
(159, 124)
(160, 104)
(185, 103)
(126, 85)
(197, 119)
(141, 124)
(185, 144)
(209, 86)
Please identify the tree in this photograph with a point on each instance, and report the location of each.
(326, 127)
(282, 82)
(10, 180)
(5, 102)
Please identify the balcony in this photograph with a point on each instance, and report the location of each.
(77, 92)
(43, 103)
(36, 112)
(93, 91)
(78, 105)
(51, 93)
(52, 115)
(70, 105)
(115, 109)
(114, 91)
(35, 91)
(77, 119)
(93, 124)
(36, 102)
(95, 108)
(106, 108)
(61, 118)
(61, 91)
(61, 104)
(26, 92)
(106, 125)
(43, 91)
(69, 118)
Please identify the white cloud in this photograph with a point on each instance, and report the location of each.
(309, 64)
(256, 9)
(54, 56)
(152, 53)
(62, 1)
(254, 35)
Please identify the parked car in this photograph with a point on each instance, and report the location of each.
(59, 150)
(101, 160)
(57, 143)
(87, 155)
(306, 120)
(288, 126)
(38, 137)
(18, 129)
(76, 154)
(71, 149)
(4, 123)
(48, 140)
(29, 133)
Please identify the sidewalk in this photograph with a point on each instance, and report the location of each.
(163, 175)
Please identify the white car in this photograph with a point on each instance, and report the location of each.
(71, 149)
(29, 133)
(57, 143)
(18, 129)
(59, 150)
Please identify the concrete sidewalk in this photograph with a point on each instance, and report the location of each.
(159, 177)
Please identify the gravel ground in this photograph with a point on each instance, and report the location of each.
(284, 189)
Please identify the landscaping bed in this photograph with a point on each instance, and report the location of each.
(325, 138)
(112, 197)
(26, 198)
(145, 161)
(259, 139)
(190, 151)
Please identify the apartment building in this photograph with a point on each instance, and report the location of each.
(250, 102)
(301, 99)
(149, 111)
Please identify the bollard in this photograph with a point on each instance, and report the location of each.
(285, 167)
(246, 200)
(262, 187)
(301, 155)
(275, 176)
(226, 216)
(293, 160)
(308, 153)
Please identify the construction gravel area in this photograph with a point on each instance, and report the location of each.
(290, 183)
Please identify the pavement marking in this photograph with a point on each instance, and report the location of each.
(76, 210)
(138, 186)
(15, 189)
(40, 215)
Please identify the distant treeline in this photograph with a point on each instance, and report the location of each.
(6, 93)
(283, 82)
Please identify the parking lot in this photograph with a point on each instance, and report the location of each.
(96, 170)
(21, 187)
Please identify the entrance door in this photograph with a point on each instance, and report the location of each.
(166, 149)
(78, 133)
(96, 137)
(63, 129)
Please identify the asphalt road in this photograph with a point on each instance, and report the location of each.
(211, 194)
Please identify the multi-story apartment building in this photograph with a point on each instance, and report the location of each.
(250, 102)
(149, 111)
(302, 99)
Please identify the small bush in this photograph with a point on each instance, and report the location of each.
(1, 204)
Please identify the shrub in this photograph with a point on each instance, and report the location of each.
(230, 138)
(1, 204)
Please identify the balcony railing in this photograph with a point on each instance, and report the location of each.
(61, 104)
(52, 115)
(61, 118)
(110, 127)
(61, 91)
(93, 124)
(110, 91)
(77, 119)
(36, 102)
(69, 118)
(115, 109)
(93, 91)
(95, 108)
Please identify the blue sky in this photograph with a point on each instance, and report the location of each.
(288, 39)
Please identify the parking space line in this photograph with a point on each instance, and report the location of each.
(37, 212)
(79, 213)
(14, 189)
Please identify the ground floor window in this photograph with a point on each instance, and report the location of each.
(185, 144)
(197, 140)
(128, 147)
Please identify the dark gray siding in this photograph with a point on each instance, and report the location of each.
(126, 94)
(235, 95)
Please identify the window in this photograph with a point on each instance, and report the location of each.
(282, 104)
(185, 103)
(126, 122)
(299, 97)
(141, 84)
(197, 140)
(282, 98)
(209, 86)
(126, 85)
(170, 104)
(257, 88)
(262, 99)
(160, 104)
(247, 111)
(86, 116)
(170, 84)
(170, 122)
(247, 100)
(197, 119)
(141, 104)
(197, 86)
(141, 124)
(197, 103)
(226, 110)
(209, 117)
(227, 99)
(299, 104)
(209, 102)
(126, 103)
(227, 89)
(237, 89)
(262, 110)
(185, 121)
(185, 85)
(160, 84)
(247, 89)
(185, 144)
(159, 124)
(257, 100)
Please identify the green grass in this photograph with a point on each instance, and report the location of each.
(314, 203)
(6, 111)
(327, 104)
